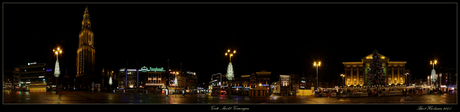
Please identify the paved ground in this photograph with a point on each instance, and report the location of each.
(79, 97)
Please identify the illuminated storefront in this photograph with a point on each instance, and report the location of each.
(263, 79)
(284, 84)
(245, 84)
(156, 78)
(356, 72)
(128, 79)
(32, 77)
(216, 80)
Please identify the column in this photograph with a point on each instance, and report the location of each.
(397, 75)
(392, 75)
(359, 76)
(351, 76)
(346, 76)
(404, 75)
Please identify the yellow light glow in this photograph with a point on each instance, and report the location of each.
(314, 63)
(60, 51)
(319, 64)
(226, 54)
(231, 54)
(234, 51)
(58, 48)
(228, 50)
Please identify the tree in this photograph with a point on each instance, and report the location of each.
(375, 74)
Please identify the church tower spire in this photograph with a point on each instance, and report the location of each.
(86, 23)
(85, 51)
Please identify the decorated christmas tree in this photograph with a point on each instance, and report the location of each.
(230, 71)
(376, 76)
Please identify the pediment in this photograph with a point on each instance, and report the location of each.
(380, 55)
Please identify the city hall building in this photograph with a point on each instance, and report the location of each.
(356, 72)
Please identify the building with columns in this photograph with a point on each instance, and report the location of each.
(356, 72)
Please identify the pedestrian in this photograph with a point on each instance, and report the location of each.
(183, 92)
(166, 92)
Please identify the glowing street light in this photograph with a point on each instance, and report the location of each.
(230, 54)
(230, 68)
(435, 62)
(317, 65)
(342, 78)
(57, 72)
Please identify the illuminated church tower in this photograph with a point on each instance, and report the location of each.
(85, 51)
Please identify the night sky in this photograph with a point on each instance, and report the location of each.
(278, 38)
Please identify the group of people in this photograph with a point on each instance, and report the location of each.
(409, 91)
(436, 90)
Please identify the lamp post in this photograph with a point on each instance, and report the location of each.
(406, 79)
(230, 70)
(317, 65)
(57, 72)
(342, 78)
(433, 72)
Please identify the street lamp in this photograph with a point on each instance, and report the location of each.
(342, 78)
(317, 65)
(57, 72)
(406, 79)
(230, 68)
(433, 72)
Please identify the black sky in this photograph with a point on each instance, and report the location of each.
(277, 38)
